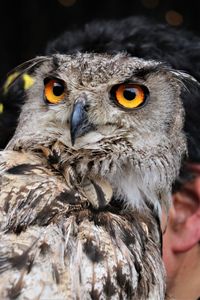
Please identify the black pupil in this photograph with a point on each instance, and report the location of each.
(129, 93)
(58, 89)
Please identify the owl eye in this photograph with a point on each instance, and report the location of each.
(130, 95)
(54, 90)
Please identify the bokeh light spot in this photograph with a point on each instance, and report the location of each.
(67, 2)
(1, 108)
(174, 18)
(150, 3)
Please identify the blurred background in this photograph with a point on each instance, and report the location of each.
(26, 26)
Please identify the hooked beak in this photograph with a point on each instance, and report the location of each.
(79, 124)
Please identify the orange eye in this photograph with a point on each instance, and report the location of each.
(130, 95)
(54, 91)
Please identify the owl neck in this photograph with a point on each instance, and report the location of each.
(137, 190)
(103, 180)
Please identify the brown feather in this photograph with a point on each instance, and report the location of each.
(89, 253)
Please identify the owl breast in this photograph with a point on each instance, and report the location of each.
(69, 248)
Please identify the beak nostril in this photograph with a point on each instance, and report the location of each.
(86, 107)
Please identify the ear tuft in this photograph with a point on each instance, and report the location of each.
(25, 67)
(190, 95)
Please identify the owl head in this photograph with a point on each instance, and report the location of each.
(114, 116)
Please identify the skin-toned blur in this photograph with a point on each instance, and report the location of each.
(181, 244)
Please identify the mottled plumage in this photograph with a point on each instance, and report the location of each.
(83, 181)
(54, 246)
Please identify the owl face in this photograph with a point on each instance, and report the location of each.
(88, 97)
(117, 116)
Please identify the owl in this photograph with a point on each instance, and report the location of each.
(98, 144)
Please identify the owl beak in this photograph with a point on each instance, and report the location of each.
(79, 124)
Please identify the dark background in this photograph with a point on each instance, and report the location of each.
(27, 25)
